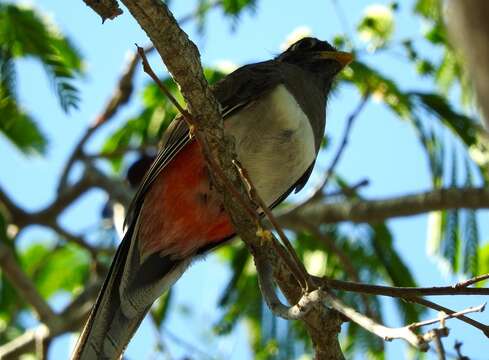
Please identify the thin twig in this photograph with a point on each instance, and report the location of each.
(413, 295)
(429, 304)
(400, 292)
(436, 335)
(388, 334)
(444, 317)
(458, 349)
(304, 279)
(368, 324)
(472, 281)
(348, 191)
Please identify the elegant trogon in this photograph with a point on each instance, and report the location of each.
(276, 112)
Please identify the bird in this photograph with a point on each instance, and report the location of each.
(276, 112)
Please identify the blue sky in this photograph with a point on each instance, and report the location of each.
(382, 148)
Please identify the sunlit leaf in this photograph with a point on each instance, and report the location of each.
(159, 310)
(382, 88)
(377, 25)
(430, 9)
(62, 269)
(483, 255)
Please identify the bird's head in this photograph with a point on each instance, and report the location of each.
(316, 56)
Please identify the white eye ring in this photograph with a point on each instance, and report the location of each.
(304, 44)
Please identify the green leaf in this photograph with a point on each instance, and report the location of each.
(377, 25)
(20, 128)
(16, 125)
(235, 7)
(159, 310)
(461, 125)
(451, 242)
(397, 272)
(7, 73)
(471, 234)
(430, 9)
(382, 88)
(436, 34)
(483, 255)
(61, 269)
(436, 231)
(424, 67)
(25, 33)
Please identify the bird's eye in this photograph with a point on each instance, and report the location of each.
(304, 44)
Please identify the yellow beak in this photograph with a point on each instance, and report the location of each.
(344, 58)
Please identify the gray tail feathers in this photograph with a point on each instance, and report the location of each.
(129, 290)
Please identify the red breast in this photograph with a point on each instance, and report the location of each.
(181, 212)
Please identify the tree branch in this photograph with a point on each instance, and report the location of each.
(400, 292)
(70, 319)
(120, 96)
(107, 9)
(359, 210)
(13, 210)
(24, 286)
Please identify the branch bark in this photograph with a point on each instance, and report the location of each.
(359, 210)
(107, 9)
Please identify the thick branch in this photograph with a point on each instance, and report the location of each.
(379, 210)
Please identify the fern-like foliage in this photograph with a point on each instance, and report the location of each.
(24, 33)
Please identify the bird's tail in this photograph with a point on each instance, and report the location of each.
(126, 296)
